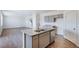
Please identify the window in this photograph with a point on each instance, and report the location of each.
(48, 19)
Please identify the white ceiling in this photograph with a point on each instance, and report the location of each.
(23, 12)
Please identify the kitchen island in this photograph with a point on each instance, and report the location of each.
(38, 39)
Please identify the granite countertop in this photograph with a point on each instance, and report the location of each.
(32, 32)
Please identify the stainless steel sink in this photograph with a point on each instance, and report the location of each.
(39, 30)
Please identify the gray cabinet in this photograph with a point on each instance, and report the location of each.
(43, 40)
(40, 40)
(35, 41)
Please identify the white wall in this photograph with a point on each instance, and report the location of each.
(34, 21)
(0, 18)
(13, 21)
(0, 23)
(60, 26)
(16, 21)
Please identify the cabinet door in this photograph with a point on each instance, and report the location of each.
(43, 40)
(70, 26)
(35, 42)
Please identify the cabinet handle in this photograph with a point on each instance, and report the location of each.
(34, 39)
(74, 29)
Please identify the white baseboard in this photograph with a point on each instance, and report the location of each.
(77, 44)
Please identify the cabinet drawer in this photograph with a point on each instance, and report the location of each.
(44, 34)
(35, 37)
(43, 41)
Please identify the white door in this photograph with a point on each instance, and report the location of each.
(77, 28)
(70, 26)
(59, 24)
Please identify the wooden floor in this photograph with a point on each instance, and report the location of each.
(61, 42)
(12, 38)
